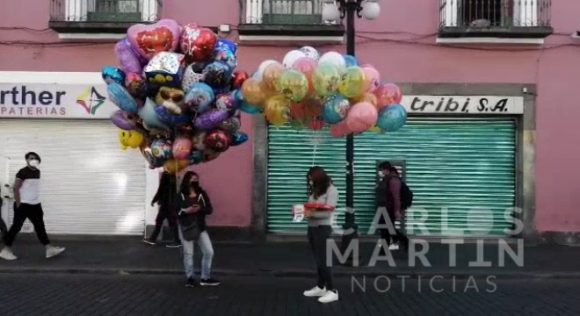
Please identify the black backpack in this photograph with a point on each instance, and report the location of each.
(406, 195)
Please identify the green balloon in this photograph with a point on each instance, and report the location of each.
(326, 79)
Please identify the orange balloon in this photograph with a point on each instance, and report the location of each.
(253, 93)
(277, 110)
(174, 166)
(271, 76)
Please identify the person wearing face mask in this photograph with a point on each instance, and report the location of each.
(166, 197)
(390, 194)
(27, 206)
(195, 205)
(321, 191)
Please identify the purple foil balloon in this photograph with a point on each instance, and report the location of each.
(211, 119)
(124, 120)
(127, 57)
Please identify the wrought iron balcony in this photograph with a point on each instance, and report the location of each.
(285, 18)
(97, 16)
(495, 18)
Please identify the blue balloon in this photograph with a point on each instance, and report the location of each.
(217, 74)
(200, 97)
(335, 108)
(248, 108)
(226, 56)
(392, 118)
(350, 60)
(239, 138)
(171, 119)
(113, 74)
(122, 98)
(149, 116)
(225, 43)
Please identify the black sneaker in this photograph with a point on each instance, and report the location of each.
(149, 242)
(210, 282)
(173, 245)
(190, 283)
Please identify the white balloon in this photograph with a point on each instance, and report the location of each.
(311, 52)
(333, 58)
(291, 57)
(260, 72)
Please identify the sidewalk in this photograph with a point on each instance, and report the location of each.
(125, 255)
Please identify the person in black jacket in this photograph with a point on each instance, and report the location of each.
(3, 228)
(195, 205)
(166, 197)
(388, 195)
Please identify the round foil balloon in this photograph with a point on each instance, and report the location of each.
(231, 125)
(226, 56)
(293, 85)
(200, 97)
(124, 120)
(238, 79)
(113, 74)
(392, 118)
(162, 149)
(217, 74)
(218, 141)
(335, 109)
(197, 43)
(182, 147)
(223, 43)
(226, 102)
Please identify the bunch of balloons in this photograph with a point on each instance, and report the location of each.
(178, 93)
(309, 90)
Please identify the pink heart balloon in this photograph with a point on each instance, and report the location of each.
(361, 117)
(148, 40)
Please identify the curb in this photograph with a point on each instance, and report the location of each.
(339, 272)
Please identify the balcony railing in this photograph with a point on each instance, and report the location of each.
(282, 12)
(505, 18)
(105, 11)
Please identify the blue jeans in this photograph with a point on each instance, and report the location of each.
(207, 251)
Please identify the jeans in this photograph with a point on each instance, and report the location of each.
(204, 243)
(317, 237)
(35, 214)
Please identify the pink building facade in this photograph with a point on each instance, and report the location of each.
(418, 44)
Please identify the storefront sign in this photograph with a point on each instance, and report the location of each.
(62, 97)
(464, 105)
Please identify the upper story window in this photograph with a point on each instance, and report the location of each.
(495, 18)
(100, 16)
(286, 20)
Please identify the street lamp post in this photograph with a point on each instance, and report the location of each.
(334, 10)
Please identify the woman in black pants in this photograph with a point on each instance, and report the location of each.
(324, 193)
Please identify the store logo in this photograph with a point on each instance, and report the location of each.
(91, 100)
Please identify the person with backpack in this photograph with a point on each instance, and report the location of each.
(3, 228)
(393, 194)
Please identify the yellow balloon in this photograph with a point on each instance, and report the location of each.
(271, 77)
(375, 129)
(130, 139)
(277, 110)
(326, 79)
(253, 92)
(293, 85)
(352, 83)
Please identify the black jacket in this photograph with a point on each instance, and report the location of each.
(205, 204)
(166, 194)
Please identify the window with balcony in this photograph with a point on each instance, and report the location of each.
(495, 18)
(100, 16)
(287, 20)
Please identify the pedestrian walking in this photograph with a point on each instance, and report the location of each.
(27, 206)
(166, 197)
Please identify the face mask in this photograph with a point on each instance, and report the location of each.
(311, 182)
(34, 163)
(381, 174)
(195, 184)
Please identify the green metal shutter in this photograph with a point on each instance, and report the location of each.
(465, 165)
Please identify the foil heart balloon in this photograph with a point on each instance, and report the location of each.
(148, 40)
(198, 43)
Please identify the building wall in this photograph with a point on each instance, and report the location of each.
(401, 44)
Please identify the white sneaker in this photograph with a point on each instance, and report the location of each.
(52, 251)
(315, 292)
(394, 247)
(329, 297)
(7, 254)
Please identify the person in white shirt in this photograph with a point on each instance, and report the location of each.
(27, 206)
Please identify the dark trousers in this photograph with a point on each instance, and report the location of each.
(3, 229)
(398, 236)
(171, 219)
(35, 214)
(317, 237)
